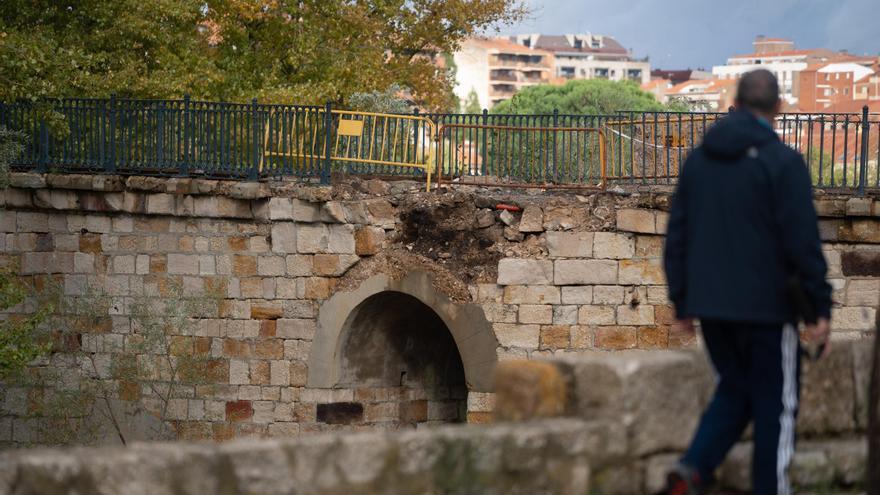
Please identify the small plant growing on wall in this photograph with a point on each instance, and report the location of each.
(106, 381)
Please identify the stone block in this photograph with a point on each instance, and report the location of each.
(521, 336)
(859, 207)
(368, 240)
(860, 263)
(304, 211)
(284, 237)
(271, 266)
(555, 337)
(536, 313)
(183, 264)
(313, 238)
(280, 209)
(853, 318)
(565, 315)
(864, 292)
(641, 272)
(333, 265)
(341, 240)
(635, 385)
(828, 393)
(596, 315)
(570, 244)
(531, 294)
(577, 294)
(584, 272)
(296, 328)
(160, 204)
(611, 245)
(641, 314)
(636, 220)
(616, 338)
(528, 390)
(608, 294)
(517, 271)
(532, 220)
(280, 373)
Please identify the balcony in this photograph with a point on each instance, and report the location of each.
(538, 62)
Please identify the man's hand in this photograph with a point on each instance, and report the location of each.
(685, 325)
(817, 337)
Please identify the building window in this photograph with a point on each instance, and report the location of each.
(578, 43)
(595, 44)
(845, 91)
(527, 42)
(600, 72)
(635, 74)
(566, 72)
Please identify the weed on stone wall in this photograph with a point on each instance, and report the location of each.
(98, 386)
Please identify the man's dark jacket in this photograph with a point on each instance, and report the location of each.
(742, 223)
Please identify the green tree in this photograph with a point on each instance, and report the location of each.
(586, 97)
(387, 101)
(315, 50)
(302, 51)
(472, 103)
(138, 48)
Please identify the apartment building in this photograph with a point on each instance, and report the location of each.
(824, 86)
(780, 57)
(588, 56)
(496, 68)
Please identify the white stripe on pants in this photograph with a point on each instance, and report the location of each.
(785, 449)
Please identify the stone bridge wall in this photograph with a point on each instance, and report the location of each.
(289, 262)
(622, 427)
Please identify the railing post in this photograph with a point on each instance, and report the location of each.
(328, 124)
(863, 153)
(187, 131)
(160, 134)
(110, 164)
(253, 170)
(43, 162)
(415, 147)
(485, 141)
(555, 124)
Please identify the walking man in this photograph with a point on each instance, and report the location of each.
(742, 225)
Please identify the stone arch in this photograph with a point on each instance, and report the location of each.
(471, 332)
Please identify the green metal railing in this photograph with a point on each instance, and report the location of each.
(253, 140)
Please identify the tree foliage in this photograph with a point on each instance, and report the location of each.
(388, 101)
(585, 97)
(472, 103)
(302, 51)
(11, 148)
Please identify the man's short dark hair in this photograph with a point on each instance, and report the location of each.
(758, 91)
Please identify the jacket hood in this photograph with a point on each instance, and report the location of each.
(733, 135)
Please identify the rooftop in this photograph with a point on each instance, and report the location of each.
(504, 45)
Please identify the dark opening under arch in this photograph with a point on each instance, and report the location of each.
(392, 340)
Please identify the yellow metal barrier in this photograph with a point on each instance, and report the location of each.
(375, 142)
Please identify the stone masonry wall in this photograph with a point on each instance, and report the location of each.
(621, 432)
(556, 273)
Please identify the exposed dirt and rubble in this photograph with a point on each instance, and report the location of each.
(465, 230)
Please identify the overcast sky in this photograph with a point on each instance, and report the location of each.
(678, 34)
